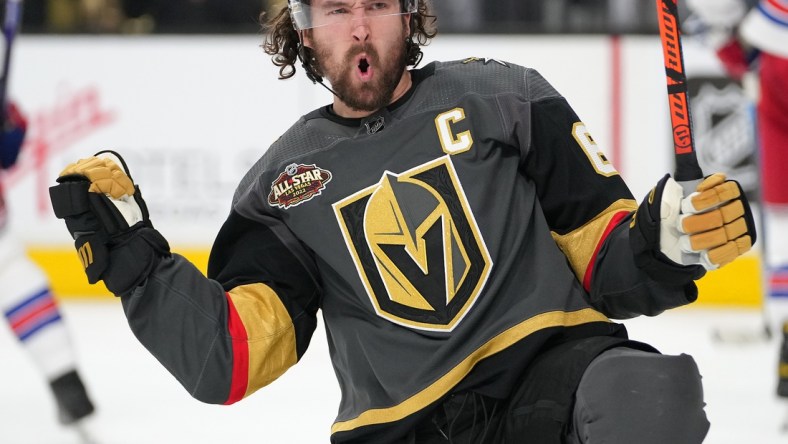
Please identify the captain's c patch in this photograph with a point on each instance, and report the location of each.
(297, 184)
(416, 246)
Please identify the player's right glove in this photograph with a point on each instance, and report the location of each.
(676, 238)
(107, 217)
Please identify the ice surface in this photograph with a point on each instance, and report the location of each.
(139, 402)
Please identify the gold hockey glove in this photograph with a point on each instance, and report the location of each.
(676, 238)
(107, 217)
(712, 226)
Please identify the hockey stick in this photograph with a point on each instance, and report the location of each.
(688, 173)
(13, 17)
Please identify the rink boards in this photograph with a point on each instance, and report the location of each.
(191, 114)
(738, 284)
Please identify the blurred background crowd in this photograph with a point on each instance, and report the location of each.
(241, 16)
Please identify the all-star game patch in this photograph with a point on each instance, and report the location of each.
(297, 184)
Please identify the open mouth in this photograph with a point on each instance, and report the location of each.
(364, 68)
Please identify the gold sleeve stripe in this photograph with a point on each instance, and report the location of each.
(495, 345)
(270, 334)
(579, 245)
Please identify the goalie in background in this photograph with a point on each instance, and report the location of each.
(755, 40)
(27, 302)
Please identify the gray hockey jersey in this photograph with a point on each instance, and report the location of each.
(445, 239)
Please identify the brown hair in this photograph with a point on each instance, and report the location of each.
(283, 44)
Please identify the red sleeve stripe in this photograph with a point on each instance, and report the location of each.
(590, 268)
(240, 343)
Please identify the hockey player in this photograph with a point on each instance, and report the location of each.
(464, 237)
(27, 303)
(757, 40)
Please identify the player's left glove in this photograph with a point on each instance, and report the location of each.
(676, 238)
(12, 135)
(108, 219)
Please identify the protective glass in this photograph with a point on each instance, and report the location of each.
(308, 14)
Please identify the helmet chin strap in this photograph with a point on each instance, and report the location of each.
(317, 78)
(310, 73)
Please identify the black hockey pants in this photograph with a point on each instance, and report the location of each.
(624, 396)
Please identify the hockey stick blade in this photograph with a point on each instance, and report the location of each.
(742, 336)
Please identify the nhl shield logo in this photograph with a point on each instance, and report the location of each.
(416, 246)
(297, 184)
(724, 129)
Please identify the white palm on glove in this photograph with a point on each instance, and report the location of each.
(708, 227)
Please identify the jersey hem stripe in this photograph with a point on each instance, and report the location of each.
(443, 385)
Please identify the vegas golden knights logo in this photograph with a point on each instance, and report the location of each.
(85, 254)
(416, 246)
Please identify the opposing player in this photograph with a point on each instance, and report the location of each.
(463, 235)
(27, 303)
(756, 40)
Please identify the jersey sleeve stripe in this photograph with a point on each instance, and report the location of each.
(581, 245)
(590, 268)
(240, 348)
(269, 340)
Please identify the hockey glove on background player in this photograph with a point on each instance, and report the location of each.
(12, 135)
(719, 19)
(107, 217)
(677, 238)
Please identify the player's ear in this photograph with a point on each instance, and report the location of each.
(306, 39)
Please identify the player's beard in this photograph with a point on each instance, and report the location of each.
(364, 96)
